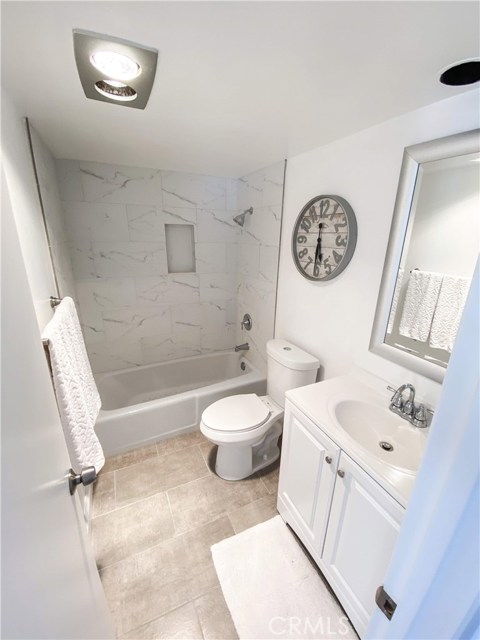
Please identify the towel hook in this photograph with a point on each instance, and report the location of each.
(54, 302)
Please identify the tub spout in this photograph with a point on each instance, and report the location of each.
(242, 347)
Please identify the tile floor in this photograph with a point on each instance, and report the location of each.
(156, 513)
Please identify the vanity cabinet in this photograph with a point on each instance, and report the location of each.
(346, 520)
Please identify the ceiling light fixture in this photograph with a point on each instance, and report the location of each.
(115, 65)
(461, 73)
(114, 70)
(115, 90)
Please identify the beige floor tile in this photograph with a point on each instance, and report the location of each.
(158, 474)
(214, 616)
(269, 478)
(147, 585)
(209, 453)
(128, 458)
(207, 498)
(180, 624)
(131, 529)
(151, 583)
(254, 513)
(103, 496)
(180, 442)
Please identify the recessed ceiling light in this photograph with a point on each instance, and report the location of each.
(115, 65)
(115, 90)
(114, 70)
(461, 73)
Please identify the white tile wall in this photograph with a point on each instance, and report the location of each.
(132, 310)
(258, 250)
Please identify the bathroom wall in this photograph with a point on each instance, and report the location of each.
(20, 177)
(258, 249)
(54, 218)
(133, 311)
(333, 320)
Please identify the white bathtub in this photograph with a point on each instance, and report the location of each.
(151, 402)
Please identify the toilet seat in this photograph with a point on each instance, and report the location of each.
(236, 414)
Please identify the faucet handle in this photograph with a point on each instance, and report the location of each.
(396, 399)
(419, 418)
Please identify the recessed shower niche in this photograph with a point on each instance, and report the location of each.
(180, 244)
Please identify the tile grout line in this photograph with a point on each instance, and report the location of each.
(166, 541)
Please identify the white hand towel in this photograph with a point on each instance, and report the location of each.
(77, 395)
(449, 309)
(396, 294)
(419, 306)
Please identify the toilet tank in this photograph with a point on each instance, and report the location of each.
(288, 367)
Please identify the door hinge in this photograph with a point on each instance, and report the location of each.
(385, 602)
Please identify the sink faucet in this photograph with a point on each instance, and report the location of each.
(242, 347)
(416, 414)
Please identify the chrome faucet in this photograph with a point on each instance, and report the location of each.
(416, 414)
(242, 347)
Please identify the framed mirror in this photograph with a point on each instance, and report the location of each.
(431, 255)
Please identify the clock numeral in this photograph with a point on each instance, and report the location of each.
(324, 206)
(340, 242)
(316, 271)
(336, 207)
(327, 266)
(302, 253)
(301, 239)
(306, 224)
(340, 225)
(337, 256)
(313, 213)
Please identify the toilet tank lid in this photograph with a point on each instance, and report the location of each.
(291, 356)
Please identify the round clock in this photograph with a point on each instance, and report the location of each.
(324, 237)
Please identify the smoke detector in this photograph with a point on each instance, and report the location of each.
(114, 70)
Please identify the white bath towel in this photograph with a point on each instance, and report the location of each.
(396, 294)
(449, 309)
(419, 306)
(77, 395)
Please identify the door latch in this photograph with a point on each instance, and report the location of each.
(85, 477)
(385, 602)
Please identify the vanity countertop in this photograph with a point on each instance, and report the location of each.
(318, 401)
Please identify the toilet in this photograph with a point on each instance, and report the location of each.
(246, 427)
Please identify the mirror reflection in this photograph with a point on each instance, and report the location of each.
(438, 258)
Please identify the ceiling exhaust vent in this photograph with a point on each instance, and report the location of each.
(114, 70)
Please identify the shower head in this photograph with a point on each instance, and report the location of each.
(240, 218)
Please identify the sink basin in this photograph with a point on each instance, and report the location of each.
(381, 433)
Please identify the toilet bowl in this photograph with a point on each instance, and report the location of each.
(247, 427)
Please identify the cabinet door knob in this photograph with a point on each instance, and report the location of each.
(328, 459)
(341, 473)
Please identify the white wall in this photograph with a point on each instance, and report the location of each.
(54, 218)
(20, 178)
(333, 320)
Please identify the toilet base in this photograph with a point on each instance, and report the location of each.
(235, 462)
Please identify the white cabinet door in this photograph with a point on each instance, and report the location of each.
(362, 531)
(307, 476)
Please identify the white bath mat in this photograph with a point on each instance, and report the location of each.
(271, 588)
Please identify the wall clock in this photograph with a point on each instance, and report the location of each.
(324, 238)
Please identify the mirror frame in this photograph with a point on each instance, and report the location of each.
(457, 145)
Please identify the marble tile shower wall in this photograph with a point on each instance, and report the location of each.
(132, 310)
(258, 250)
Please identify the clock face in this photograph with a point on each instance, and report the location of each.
(324, 237)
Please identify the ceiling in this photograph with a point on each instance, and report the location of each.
(239, 85)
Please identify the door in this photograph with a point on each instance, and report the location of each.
(50, 585)
(362, 531)
(307, 477)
